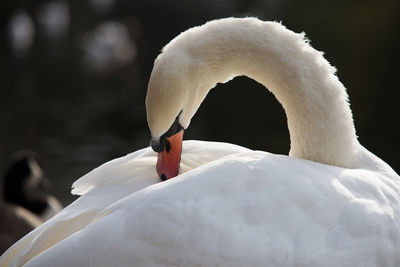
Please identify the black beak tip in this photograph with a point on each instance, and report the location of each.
(163, 177)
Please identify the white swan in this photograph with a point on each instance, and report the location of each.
(330, 203)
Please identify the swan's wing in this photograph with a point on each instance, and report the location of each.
(104, 186)
(141, 164)
(249, 209)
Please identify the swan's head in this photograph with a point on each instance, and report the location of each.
(188, 67)
(173, 96)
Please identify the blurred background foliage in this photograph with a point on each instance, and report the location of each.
(73, 76)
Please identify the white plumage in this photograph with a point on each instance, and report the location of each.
(232, 206)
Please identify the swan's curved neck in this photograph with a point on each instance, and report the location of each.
(318, 114)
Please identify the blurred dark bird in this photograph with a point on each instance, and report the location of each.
(25, 203)
(25, 185)
(15, 222)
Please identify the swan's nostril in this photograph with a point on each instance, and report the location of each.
(163, 177)
(167, 145)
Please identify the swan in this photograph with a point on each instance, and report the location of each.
(331, 202)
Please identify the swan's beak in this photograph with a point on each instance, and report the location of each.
(169, 159)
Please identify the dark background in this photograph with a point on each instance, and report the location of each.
(73, 76)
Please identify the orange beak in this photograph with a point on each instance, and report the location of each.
(169, 159)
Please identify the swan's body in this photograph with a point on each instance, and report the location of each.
(332, 203)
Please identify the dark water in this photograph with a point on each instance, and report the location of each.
(77, 118)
